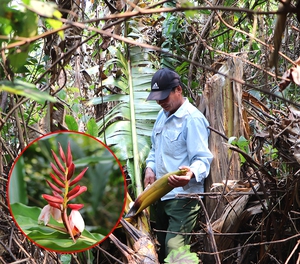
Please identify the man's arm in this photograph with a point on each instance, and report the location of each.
(197, 146)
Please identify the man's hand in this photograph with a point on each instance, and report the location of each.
(180, 181)
(149, 177)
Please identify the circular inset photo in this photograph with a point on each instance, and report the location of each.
(66, 192)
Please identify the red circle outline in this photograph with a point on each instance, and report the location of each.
(125, 190)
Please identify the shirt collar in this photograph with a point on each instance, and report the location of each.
(180, 111)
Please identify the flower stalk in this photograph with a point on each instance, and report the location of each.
(62, 193)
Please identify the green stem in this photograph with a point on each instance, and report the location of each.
(136, 159)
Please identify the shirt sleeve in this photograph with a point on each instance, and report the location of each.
(199, 155)
(150, 161)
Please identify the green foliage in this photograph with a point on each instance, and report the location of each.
(182, 255)
(27, 219)
(173, 30)
(77, 113)
(22, 65)
(66, 258)
(242, 143)
(71, 123)
(92, 128)
(189, 13)
(18, 22)
(270, 153)
(26, 89)
(18, 184)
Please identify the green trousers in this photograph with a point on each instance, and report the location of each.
(176, 215)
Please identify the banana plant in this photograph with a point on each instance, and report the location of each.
(127, 127)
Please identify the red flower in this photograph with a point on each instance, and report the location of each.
(64, 170)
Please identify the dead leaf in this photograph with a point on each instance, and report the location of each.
(296, 74)
(291, 75)
(87, 76)
(285, 80)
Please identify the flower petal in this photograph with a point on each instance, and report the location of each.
(69, 155)
(61, 153)
(57, 161)
(75, 206)
(55, 205)
(57, 171)
(57, 181)
(56, 214)
(73, 191)
(78, 178)
(71, 170)
(44, 215)
(81, 190)
(53, 199)
(76, 220)
(54, 187)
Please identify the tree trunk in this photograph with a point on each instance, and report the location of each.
(224, 112)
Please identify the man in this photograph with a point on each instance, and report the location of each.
(179, 140)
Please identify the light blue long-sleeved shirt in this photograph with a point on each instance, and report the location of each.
(181, 140)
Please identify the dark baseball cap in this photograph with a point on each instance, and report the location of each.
(162, 83)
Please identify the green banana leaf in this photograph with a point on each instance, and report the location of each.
(27, 219)
(120, 124)
(26, 89)
(127, 127)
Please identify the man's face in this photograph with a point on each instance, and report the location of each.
(173, 101)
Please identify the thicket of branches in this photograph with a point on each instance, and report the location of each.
(82, 60)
